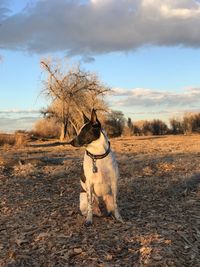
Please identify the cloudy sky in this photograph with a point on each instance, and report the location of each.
(147, 51)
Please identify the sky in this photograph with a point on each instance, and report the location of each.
(146, 51)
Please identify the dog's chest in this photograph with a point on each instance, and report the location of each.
(106, 169)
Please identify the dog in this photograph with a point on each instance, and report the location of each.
(100, 170)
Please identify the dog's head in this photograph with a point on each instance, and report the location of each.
(89, 132)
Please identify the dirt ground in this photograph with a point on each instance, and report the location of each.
(159, 191)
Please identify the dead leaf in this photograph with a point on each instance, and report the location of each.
(42, 236)
(77, 250)
(108, 257)
(157, 257)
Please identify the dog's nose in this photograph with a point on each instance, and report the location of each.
(74, 142)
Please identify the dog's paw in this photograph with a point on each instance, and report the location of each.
(119, 218)
(88, 223)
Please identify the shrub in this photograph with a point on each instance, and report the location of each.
(21, 138)
(191, 123)
(7, 139)
(114, 123)
(154, 127)
(158, 127)
(176, 126)
(49, 128)
(136, 130)
(127, 131)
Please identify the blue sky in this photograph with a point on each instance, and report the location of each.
(147, 51)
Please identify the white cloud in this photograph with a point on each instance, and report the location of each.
(15, 119)
(12, 124)
(147, 104)
(100, 26)
(148, 98)
(19, 111)
(179, 12)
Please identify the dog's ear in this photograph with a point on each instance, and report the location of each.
(85, 118)
(93, 116)
(94, 119)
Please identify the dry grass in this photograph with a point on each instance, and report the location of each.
(18, 139)
(47, 128)
(159, 192)
(21, 139)
(7, 139)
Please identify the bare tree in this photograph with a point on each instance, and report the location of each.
(191, 123)
(153, 127)
(187, 123)
(114, 123)
(130, 125)
(176, 126)
(72, 91)
(158, 127)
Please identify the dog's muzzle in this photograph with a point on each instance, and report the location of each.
(75, 143)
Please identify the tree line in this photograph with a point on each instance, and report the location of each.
(190, 123)
(116, 125)
(73, 91)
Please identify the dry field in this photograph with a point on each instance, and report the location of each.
(159, 191)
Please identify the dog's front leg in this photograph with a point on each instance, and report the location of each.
(89, 205)
(116, 211)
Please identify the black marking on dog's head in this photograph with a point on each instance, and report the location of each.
(90, 131)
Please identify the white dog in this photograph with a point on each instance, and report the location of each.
(100, 170)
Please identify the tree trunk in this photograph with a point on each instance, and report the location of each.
(63, 133)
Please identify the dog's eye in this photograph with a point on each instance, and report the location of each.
(95, 125)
